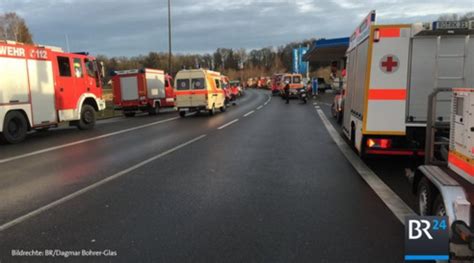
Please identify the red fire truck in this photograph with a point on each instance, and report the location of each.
(41, 86)
(145, 90)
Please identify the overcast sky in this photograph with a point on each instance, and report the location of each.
(132, 27)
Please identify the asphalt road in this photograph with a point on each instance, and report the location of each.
(270, 187)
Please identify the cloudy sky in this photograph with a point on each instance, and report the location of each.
(132, 27)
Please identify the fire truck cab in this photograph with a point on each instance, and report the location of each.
(146, 90)
(42, 86)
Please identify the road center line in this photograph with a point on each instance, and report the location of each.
(259, 107)
(84, 141)
(249, 113)
(399, 208)
(227, 124)
(49, 206)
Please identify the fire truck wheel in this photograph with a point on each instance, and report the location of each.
(223, 108)
(182, 114)
(439, 208)
(425, 194)
(87, 120)
(15, 127)
(154, 110)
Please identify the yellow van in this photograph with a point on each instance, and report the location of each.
(198, 90)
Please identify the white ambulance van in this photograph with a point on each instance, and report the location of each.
(198, 90)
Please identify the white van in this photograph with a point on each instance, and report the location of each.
(197, 90)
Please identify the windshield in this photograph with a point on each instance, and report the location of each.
(296, 79)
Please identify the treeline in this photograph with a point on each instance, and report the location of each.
(235, 63)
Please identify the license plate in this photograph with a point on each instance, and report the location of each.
(303, 95)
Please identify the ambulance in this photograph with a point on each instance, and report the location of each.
(146, 90)
(391, 70)
(295, 81)
(42, 86)
(199, 90)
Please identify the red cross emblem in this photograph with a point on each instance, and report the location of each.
(389, 63)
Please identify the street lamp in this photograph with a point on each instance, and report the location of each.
(169, 37)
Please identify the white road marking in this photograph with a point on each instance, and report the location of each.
(317, 107)
(249, 113)
(49, 206)
(260, 107)
(399, 208)
(84, 141)
(227, 124)
(315, 103)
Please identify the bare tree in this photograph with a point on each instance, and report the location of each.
(13, 27)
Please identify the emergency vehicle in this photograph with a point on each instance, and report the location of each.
(295, 81)
(444, 185)
(391, 70)
(235, 89)
(145, 90)
(41, 86)
(197, 90)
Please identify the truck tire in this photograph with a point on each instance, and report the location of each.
(425, 195)
(129, 114)
(438, 207)
(154, 110)
(15, 127)
(182, 114)
(223, 108)
(87, 118)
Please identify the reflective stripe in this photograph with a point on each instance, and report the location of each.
(464, 165)
(191, 92)
(387, 94)
(389, 32)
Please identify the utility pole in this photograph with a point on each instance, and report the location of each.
(67, 42)
(169, 37)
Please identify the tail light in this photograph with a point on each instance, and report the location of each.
(379, 143)
(376, 35)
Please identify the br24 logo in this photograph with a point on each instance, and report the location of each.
(419, 228)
